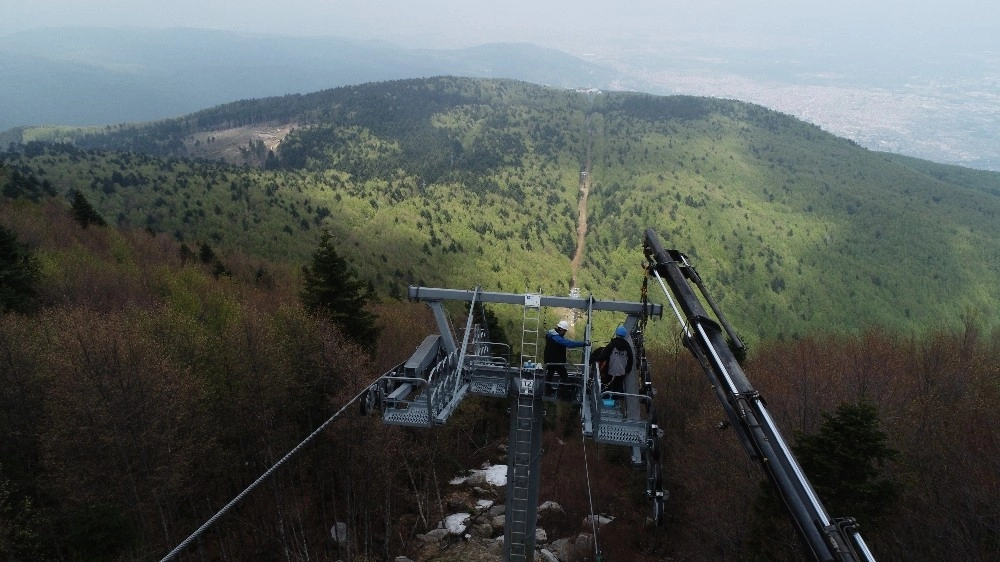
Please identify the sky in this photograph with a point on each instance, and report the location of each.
(555, 23)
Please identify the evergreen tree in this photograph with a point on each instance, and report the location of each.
(206, 254)
(846, 463)
(85, 213)
(220, 270)
(272, 162)
(19, 273)
(493, 326)
(16, 185)
(187, 254)
(331, 288)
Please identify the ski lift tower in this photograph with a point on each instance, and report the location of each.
(426, 389)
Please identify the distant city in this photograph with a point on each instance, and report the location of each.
(927, 121)
(954, 119)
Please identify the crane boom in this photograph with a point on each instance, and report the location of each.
(706, 338)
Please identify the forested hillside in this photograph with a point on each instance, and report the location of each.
(143, 386)
(158, 355)
(463, 182)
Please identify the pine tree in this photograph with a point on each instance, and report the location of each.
(496, 332)
(846, 463)
(206, 254)
(19, 273)
(85, 213)
(187, 254)
(331, 288)
(17, 185)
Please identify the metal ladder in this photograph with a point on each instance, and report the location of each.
(523, 478)
(531, 318)
(525, 443)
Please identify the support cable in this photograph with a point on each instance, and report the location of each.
(673, 305)
(590, 500)
(259, 480)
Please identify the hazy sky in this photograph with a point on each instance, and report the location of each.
(556, 23)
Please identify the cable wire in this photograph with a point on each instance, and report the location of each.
(590, 499)
(259, 480)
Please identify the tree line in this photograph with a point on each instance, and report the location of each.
(143, 392)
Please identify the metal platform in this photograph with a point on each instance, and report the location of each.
(411, 414)
(489, 376)
(496, 388)
(612, 428)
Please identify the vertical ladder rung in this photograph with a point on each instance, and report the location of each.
(523, 436)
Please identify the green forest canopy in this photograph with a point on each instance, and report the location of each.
(465, 182)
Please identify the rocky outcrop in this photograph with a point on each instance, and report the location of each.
(473, 531)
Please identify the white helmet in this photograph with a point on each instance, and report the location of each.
(563, 325)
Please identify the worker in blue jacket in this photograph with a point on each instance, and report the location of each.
(556, 345)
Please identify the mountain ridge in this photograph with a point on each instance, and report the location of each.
(155, 74)
(476, 181)
(926, 103)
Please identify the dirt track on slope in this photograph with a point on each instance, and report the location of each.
(570, 315)
(581, 223)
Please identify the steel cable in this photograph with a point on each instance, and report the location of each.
(590, 499)
(259, 480)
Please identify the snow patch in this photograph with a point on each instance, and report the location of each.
(456, 523)
(495, 475)
(549, 506)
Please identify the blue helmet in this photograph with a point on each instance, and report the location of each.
(621, 332)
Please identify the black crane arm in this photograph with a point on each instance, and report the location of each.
(825, 539)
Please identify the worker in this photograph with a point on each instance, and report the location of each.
(616, 360)
(556, 345)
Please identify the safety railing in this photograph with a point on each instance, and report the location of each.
(409, 400)
(489, 372)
